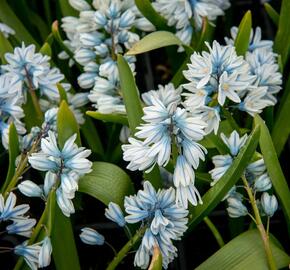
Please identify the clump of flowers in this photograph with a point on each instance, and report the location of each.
(169, 131)
(101, 32)
(188, 15)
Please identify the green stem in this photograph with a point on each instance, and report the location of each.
(21, 168)
(125, 249)
(260, 226)
(44, 219)
(214, 231)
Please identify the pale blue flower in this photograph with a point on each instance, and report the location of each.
(236, 208)
(29, 253)
(269, 204)
(9, 209)
(256, 41)
(263, 183)
(68, 163)
(222, 163)
(234, 142)
(21, 226)
(30, 189)
(165, 222)
(37, 255)
(91, 237)
(114, 213)
(80, 5)
(6, 30)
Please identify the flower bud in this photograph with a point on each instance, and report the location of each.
(263, 183)
(236, 208)
(30, 189)
(114, 213)
(269, 204)
(92, 237)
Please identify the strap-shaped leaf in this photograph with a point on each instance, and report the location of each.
(282, 40)
(134, 109)
(7, 16)
(153, 41)
(107, 183)
(111, 118)
(67, 9)
(45, 49)
(146, 8)
(66, 124)
(281, 129)
(273, 14)
(5, 47)
(62, 229)
(244, 252)
(244, 33)
(13, 153)
(220, 189)
(273, 167)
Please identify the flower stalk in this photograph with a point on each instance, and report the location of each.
(260, 226)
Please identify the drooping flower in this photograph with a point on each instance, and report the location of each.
(92, 237)
(68, 164)
(162, 219)
(269, 204)
(6, 30)
(114, 213)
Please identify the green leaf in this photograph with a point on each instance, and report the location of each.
(62, 229)
(244, 252)
(45, 49)
(282, 39)
(107, 183)
(67, 9)
(153, 41)
(216, 193)
(13, 149)
(146, 8)
(5, 47)
(91, 135)
(62, 93)
(281, 128)
(273, 167)
(156, 261)
(66, 125)
(7, 16)
(133, 108)
(244, 33)
(31, 118)
(111, 118)
(273, 14)
(63, 245)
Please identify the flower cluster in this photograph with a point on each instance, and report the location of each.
(221, 79)
(169, 130)
(101, 32)
(37, 255)
(181, 14)
(162, 222)
(64, 165)
(10, 109)
(255, 174)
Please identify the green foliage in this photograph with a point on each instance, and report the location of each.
(8, 16)
(13, 149)
(5, 47)
(273, 14)
(281, 128)
(244, 33)
(110, 118)
(107, 183)
(146, 8)
(134, 108)
(244, 252)
(154, 41)
(216, 193)
(282, 40)
(273, 167)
